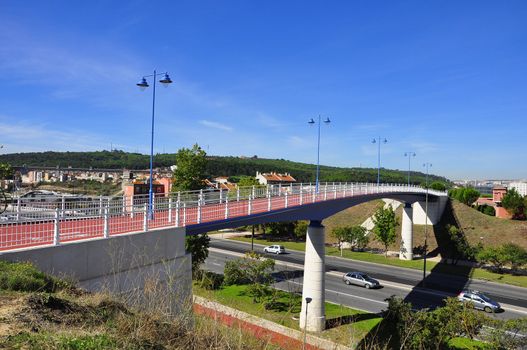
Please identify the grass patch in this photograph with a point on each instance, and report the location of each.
(46, 340)
(24, 277)
(346, 326)
(459, 343)
(477, 273)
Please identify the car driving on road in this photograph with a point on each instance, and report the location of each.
(275, 249)
(479, 300)
(360, 279)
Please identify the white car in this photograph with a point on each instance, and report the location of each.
(275, 249)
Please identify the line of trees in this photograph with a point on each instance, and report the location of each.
(466, 195)
(215, 166)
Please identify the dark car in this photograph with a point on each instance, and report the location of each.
(360, 279)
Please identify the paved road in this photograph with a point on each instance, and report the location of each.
(397, 281)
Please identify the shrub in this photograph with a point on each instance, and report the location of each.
(210, 280)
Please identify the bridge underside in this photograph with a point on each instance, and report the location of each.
(316, 211)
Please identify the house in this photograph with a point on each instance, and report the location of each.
(274, 178)
(497, 195)
(220, 183)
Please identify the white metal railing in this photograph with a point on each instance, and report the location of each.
(52, 220)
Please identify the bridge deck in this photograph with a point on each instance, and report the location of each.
(31, 223)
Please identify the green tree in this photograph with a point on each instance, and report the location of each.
(253, 270)
(6, 171)
(438, 186)
(462, 249)
(493, 256)
(514, 203)
(466, 195)
(385, 223)
(190, 172)
(246, 181)
(357, 237)
(198, 247)
(514, 255)
(301, 230)
(341, 235)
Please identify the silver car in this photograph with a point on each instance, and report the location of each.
(276, 249)
(479, 300)
(360, 279)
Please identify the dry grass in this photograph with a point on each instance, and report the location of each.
(488, 230)
(355, 215)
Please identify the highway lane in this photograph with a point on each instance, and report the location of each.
(406, 279)
(289, 278)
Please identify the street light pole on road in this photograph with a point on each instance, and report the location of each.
(379, 158)
(409, 155)
(427, 166)
(143, 85)
(312, 122)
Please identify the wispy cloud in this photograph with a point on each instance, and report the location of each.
(25, 137)
(215, 125)
(298, 142)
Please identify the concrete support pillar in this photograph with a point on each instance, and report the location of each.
(407, 235)
(314, 283)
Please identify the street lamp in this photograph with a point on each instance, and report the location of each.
(143, 85)
(312, 122)
(409, 155)
(379, 158)
(308, 300)
(427, 166)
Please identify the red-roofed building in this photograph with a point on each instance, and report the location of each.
(274, 178)
(497, 195)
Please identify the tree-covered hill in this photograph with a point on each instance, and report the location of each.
(216, 166)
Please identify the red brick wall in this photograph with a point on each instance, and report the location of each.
(259, 332)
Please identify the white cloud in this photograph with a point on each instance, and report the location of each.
(24, 137)
(215, 125)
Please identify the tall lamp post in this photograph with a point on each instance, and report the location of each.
(312, 122)
(409, 155)
(427, 166)
(143, 85)
(379, 157)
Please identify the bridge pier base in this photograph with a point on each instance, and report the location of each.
(314, 320)
(407, 234)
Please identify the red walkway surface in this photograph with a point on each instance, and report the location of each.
(37, 233)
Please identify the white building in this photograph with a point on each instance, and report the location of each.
(519, 186)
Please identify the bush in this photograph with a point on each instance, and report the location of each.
(233, 273)
(486, 209)
(210, 280)
(426, 329)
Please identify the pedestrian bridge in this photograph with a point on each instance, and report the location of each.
(51, 222)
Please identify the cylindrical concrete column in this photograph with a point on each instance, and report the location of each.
(314, 284)
(407, 236)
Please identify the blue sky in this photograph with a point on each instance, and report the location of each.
(445, 79)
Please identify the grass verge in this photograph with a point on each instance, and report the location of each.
(346, 326)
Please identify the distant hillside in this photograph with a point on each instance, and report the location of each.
(217, 166)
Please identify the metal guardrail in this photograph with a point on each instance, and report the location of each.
(51, 220)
